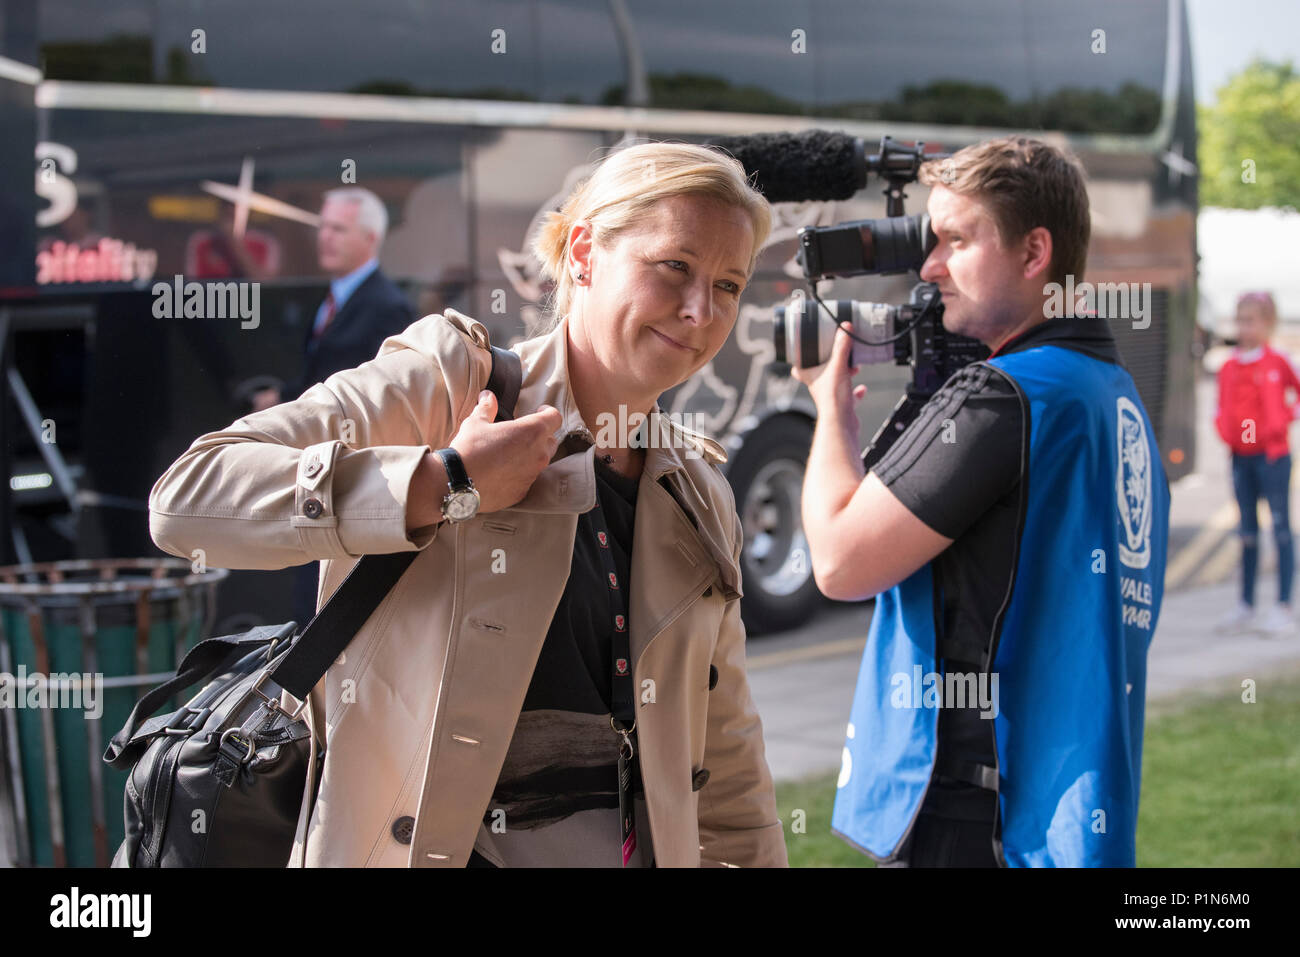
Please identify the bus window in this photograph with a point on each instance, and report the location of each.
(1012, 66)
(933, 64)
(731, 55)
(485, 49)
(1099, 68)
(1051, 65)
(581, 52)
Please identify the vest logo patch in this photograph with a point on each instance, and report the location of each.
(1133, 485)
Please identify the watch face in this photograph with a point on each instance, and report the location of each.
(459, 506)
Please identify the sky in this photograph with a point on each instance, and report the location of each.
(1227, 34)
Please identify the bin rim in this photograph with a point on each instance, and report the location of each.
(159, 583)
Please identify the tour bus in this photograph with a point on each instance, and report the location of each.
(195, 140)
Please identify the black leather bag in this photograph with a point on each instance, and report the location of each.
(220, 782)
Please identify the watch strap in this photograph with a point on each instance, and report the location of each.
(457, 477)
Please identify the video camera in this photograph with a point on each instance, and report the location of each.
(821, 165)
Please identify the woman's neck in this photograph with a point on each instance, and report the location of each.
(612, 417)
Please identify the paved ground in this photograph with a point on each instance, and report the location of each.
(804, 693)
(803, 681)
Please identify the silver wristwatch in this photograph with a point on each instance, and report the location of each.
(462, 501)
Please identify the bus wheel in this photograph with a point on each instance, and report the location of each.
(767, 477)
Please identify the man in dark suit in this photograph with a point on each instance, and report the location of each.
(363, 309)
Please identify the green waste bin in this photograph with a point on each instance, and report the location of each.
(80, 639)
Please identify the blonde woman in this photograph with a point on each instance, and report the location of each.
(569, 638)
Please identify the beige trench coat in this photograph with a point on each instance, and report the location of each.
(416, 715)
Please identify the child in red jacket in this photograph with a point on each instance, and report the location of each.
(1253, 417)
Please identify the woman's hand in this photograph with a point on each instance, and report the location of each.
(502, 459)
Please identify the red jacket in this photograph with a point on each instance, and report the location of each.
(1254, 394)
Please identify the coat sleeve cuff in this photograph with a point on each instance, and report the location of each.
(352, 502)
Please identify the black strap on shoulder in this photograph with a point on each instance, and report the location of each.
(504, 381)
(374, 576)
(338, 621)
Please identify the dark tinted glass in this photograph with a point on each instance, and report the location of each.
(556, 50)
(998, 63)
(1001, 63)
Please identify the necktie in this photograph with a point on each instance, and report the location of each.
(329, 316)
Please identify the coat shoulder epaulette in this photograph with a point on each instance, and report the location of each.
(711, 451)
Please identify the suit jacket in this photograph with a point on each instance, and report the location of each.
(376, 310)
(416, 716)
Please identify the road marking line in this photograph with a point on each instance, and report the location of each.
(1207, 540)
(828, 649)
(1219, 567)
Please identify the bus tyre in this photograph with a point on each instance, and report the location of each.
(767, 476)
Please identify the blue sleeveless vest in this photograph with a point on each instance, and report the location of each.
(1071, 653)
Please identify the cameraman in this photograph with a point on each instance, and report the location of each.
(1016, 535)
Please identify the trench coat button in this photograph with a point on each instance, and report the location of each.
(713, 677)
(313, 466)
(312, 508)
(699, 779)
(404, 829)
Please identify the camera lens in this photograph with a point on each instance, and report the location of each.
(896, 244)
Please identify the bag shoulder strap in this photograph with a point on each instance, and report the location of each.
(200, 663)
(374, 576)
(506, 377)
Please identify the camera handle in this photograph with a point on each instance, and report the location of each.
(898, 165)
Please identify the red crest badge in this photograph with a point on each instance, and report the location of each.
(621, 665)
(613, 581)
(620, 623)
(604, 541)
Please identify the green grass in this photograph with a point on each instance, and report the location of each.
(1220, 787)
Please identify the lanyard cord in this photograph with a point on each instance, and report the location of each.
(622, 715)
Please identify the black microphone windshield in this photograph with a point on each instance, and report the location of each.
(792, 167)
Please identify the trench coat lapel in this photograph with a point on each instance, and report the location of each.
(672, 562)
(670, 567)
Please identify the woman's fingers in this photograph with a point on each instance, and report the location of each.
(503, 459)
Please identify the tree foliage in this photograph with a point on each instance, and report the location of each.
(1252, 132)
